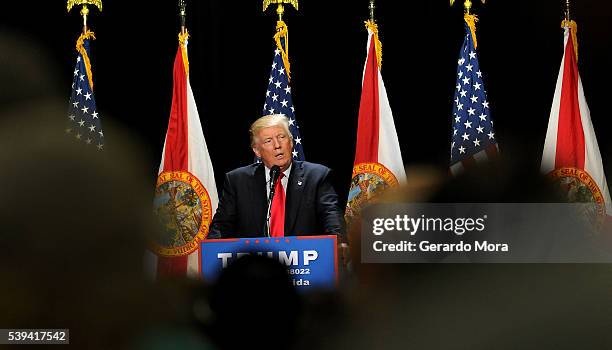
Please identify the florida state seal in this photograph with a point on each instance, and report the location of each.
(184, 210)
(368, 181)
(579, 187)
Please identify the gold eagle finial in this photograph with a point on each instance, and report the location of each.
(467, 4)
(84, 11)
(267, 3)
(280, 9)
(72, 3)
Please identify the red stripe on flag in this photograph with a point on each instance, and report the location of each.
(570, 135)
(176, 138)
(176, 153)
(171, 266)
(369, 112)
(492, 151)
(468, 162)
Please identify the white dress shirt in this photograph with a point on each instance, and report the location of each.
(284, 180)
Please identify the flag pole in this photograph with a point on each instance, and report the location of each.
(281, 29)
(372, 7)
(469, 18)
(84, 10)
(280, 9)
(182, 4)
(573, 27)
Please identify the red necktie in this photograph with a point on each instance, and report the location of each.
(277, 215)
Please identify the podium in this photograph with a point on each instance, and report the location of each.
(312, 261)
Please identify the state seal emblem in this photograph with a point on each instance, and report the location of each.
(577, 186)
(368, 181)
(184, 211)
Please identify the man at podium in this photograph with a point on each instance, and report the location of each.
(279, 196)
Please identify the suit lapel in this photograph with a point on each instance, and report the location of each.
(295, 188)
(258, 198)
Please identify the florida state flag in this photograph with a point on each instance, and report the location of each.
(571, 154)
(186, 194)
(378, 159)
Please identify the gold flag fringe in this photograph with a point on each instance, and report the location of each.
(373, 27)
(283, 32)
(573, 26)
(471, 22)
(182, 37)
(81, 49)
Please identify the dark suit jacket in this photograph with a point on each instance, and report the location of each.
(311, 205)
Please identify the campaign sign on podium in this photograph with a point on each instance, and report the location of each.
(312, 261)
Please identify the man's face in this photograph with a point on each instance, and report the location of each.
(274, 147)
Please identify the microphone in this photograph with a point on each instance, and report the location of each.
(274, 174)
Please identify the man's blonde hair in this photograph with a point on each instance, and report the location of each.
(266, 122)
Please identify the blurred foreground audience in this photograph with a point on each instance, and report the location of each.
(477, 306)
(75, 223)
(254, 305)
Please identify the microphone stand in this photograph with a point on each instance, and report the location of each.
(274, 175)
(269, 211)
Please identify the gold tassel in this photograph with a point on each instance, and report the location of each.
(373, 27)
(471, 22)
(182, 37)
(81, 49)
(573, 26)
(283, 32)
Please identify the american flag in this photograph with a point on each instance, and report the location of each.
(473, 136)
(83, 120)
(278, 100)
